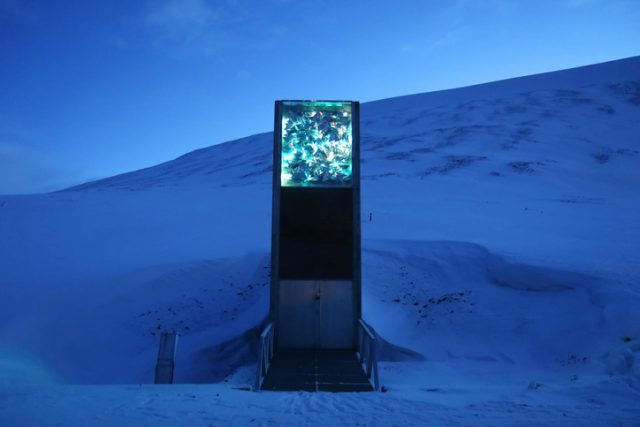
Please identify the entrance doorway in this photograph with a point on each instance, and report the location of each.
(316, 314)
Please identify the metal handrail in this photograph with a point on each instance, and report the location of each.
(265, 354)
(367, 352)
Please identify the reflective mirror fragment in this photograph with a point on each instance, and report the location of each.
(316, 144)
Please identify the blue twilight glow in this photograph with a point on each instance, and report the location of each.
(89, 89)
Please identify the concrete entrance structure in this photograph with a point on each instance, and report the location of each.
(315, 254)
(316, 339)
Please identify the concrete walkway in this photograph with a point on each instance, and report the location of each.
(316, 370)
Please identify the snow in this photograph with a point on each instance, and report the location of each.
(455, 404)
(501, 262)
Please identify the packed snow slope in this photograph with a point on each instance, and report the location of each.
(501, 250)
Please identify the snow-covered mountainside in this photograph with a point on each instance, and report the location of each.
(500, 243)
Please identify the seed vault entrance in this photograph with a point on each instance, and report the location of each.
(315, 254)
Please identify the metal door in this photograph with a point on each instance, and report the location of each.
(315, 314)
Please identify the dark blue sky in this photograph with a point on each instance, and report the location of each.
(89, 89)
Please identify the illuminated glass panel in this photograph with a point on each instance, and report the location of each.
(316, 144)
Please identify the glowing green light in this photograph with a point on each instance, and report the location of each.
(316, 144)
